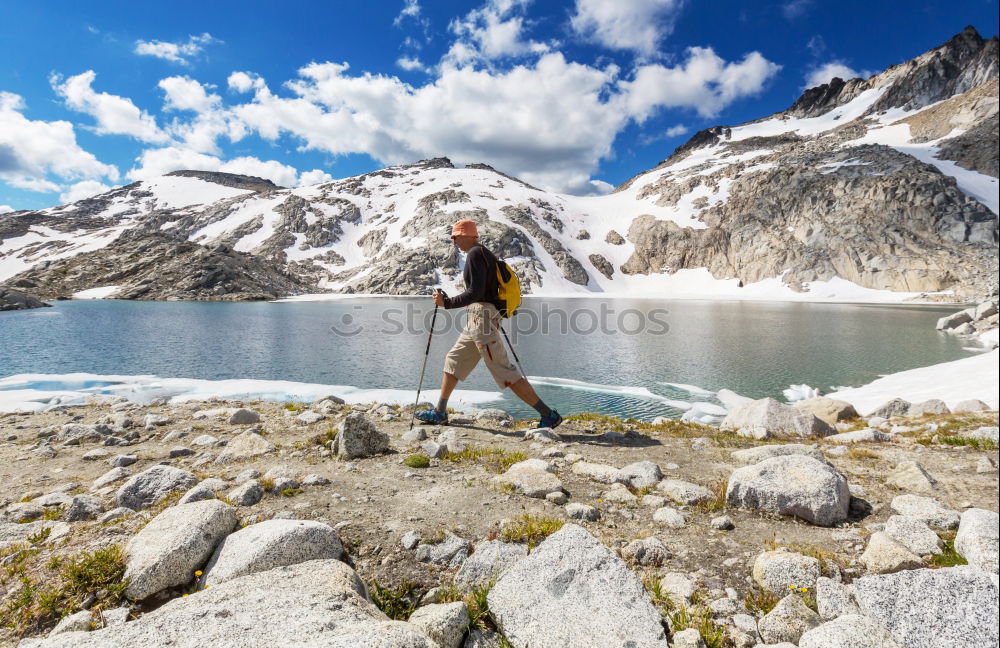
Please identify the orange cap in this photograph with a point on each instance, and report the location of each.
(465, 228)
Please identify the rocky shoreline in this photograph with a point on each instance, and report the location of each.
(253, 524)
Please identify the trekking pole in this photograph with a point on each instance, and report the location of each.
(427, 353)
(511, 347)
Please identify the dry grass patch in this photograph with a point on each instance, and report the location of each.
(493, 459)
(531, 529)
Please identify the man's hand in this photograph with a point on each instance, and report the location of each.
(438, 298)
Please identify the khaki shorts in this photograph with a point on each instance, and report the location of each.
(481, 339)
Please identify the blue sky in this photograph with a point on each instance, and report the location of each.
(571, 95)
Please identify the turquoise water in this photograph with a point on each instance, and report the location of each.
(754, 348)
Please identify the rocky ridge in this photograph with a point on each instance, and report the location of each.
(853, 181)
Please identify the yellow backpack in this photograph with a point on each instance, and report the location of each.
(508, 288)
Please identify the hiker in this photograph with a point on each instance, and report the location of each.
(481, 337)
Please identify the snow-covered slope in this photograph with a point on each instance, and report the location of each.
(874, 190)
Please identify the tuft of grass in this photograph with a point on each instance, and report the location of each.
(397, 604)
(948, 556)
(531, 529)
(828, 561)
(660, 599)
(52, 513)
(294, 407)
(760, 602)
(291, 492)
(41, 536)
(417, 460)
(718, 500)
(266, 483)
(494, 459)
(976, 444)
(711, 633)
(39, 605)
(863, 454)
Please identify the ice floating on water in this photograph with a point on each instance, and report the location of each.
(38, 392)
(800, 392)
(616, 390)
(693, 389)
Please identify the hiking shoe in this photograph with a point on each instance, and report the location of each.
(433, 417)
(550, 421)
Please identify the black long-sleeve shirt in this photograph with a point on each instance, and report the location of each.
(480, 277)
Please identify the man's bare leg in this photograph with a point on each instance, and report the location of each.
(448, 382)
(523, 390)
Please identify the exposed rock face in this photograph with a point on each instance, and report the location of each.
(571, 589)
(162, 267)
(792, 485)
(316, 603)
(928, 608)
(12, 299)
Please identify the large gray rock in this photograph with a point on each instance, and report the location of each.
(977, 539)
(834, 599)
(913, 534)
(488, 561)
(83, 507)
(792, 485)
(849, 631)
(911, 476)
(451, 551)
(970, 405)
(760, 453)
(114, 475)
(827, 409)
(684, 492)
(641, 474)
(932, 406)
(152, 485)
(244, 416)
(358, 437)
(178, 541)
(531, 478)
(445, 623)
(867, 435)
(269, 544)
(571, 590)
(931, 608)
(646, 552)
(600, 473)
(895, 407)
(884, 555)
(246, 494)
(248, 445)
(927, 509)
(309, 605)
(777, 571)
(777, 418)
(12, 533)
(788, 621)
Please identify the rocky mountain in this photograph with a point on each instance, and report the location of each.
(890, 183)
(153, 265)
(13, 299)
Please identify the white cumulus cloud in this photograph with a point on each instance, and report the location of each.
(32, 150)
(6, 209)
(175, 52)
(826, 72)
(410, 64)
(674, 131)
(183, 93)
(703, 81)
(492, 31)
(115, 115)
(316, 176)
(81, 190)
(637, 25)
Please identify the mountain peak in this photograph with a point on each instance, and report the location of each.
(235, 180)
